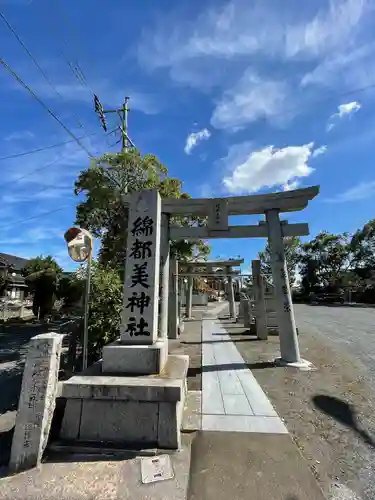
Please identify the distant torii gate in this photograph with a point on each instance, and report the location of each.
(207, 268)
(218, 210)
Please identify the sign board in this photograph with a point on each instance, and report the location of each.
(141, 285)
(218, 214)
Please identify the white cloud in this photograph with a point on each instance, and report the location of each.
(330, 29)
(250, 99)
(221, 48)
(347, 109)
(342, 67)
(241, 29)
(290, 185)
(266, 168)
(319, 151)
(20, 135)
(195, 138)
(361, 191)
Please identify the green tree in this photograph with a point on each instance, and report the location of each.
(324, 261)
(103, 212)
(362, 247)
(70, 291)
(41, 275)
(291, 249)
(105, 302)
(3, 284)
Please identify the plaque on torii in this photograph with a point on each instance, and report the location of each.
(218, 215)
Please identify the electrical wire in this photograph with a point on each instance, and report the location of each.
(46, 77)
(39, 169)
(78, 69)
(73, 66)
(21, 221)
(51, 113)
(45, 148)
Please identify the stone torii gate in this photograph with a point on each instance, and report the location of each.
(210, 269)
(217, 211)
(142, 387)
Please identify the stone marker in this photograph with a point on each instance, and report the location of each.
(141, 285)
(37, 401)
(139, 350)
(247, 313)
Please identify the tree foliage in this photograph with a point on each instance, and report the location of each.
(105, 304)
(41, 275)
(324, 260)
(291, 249)
(330, 263)
(103, 211)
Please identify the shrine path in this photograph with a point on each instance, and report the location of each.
(232, 399)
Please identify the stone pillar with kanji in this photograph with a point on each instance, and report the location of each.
(139, 349)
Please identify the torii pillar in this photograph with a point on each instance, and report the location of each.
(232, 305)
(289, 347)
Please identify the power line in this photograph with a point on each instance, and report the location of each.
(39, 169)
(45, 148)
(26, 87)
(37, 64)
(20, 221)
(78, 69)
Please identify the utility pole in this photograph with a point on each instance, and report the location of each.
(122, 113)
(123, 127)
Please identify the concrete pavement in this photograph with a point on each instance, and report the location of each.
(249, 466)
(243, 451)
(232, 399)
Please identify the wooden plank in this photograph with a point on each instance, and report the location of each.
(255, 231)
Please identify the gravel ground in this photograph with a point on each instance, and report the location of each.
(350, 328)
(341, 454)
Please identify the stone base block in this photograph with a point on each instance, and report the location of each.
(142, 411)
(135, 359)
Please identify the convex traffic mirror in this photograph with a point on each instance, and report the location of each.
(79, 243)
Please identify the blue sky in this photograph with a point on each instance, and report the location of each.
(236, 97)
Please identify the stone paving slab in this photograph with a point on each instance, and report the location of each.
(232, 399)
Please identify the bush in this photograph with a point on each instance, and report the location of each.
(106, 298)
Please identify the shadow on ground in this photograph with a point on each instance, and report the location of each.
(342, 412)
(232, 366)
(250, 339)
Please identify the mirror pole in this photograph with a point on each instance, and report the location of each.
(86, 313)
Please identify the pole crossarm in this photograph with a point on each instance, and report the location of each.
(253, 231)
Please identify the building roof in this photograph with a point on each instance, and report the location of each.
(17, 263)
